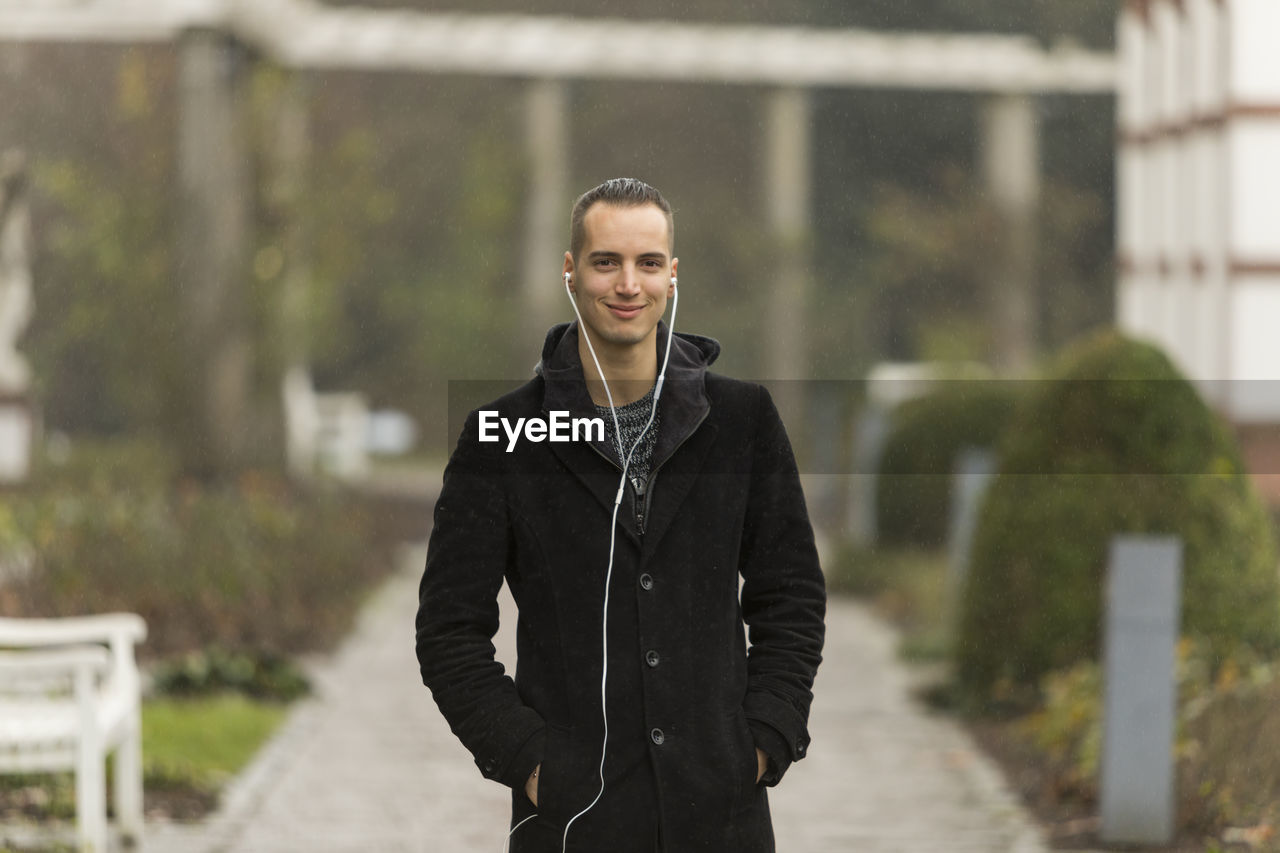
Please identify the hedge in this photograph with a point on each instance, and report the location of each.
(926, 437)
(1115, 441)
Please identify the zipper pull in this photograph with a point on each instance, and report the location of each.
(640, 484)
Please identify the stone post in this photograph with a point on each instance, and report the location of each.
(1143, 606)
(975, 467)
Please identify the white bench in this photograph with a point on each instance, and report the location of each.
(69, 695)
(325, 433)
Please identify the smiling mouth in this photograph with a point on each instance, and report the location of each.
(626, 311)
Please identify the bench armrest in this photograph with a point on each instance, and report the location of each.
(113, 628)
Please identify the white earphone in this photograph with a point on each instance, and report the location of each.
(613, 527)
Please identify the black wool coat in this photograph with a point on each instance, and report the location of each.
(720, 538)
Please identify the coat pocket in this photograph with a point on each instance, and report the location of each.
(746, 755)
(550, 777)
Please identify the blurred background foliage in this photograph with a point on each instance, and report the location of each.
(415, 200)
(257, 566)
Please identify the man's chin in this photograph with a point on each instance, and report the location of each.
(627, 338)
(621, 337)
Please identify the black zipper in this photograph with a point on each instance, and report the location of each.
(644, 491)
(653, 475)
(644, 495)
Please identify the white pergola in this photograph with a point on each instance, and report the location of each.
(307, 34)
(550, 52)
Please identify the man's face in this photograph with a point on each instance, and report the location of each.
(623, 276)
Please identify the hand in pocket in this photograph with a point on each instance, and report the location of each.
(531, 785)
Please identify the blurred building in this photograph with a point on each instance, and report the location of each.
(1199, 203)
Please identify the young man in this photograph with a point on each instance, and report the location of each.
(693, 726)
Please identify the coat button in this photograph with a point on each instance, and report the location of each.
(800, 748)
(651, 657)
(646, 581)
(657, 736)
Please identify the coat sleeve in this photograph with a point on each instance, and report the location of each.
(783, 597)
(458, 615)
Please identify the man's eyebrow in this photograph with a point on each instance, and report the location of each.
(604, 253)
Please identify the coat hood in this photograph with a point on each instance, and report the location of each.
(684, 401)
(689, 350)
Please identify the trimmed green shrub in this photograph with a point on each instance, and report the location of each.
(258, 675)
(255, 565)
(1115, 441)
(926, 438)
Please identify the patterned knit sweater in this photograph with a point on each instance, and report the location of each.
(631, 419)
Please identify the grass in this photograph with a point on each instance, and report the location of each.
(205, 740)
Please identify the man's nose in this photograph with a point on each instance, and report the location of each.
(629, 281)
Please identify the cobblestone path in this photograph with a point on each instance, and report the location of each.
(368, 764)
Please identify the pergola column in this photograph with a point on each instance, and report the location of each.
(213, 245)
(547, 216)
(17, 410)
(787, 194)
(290, 150)
(1011, 165)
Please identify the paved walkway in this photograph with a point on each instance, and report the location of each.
(368, 764)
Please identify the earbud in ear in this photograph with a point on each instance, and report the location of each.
(673, 281)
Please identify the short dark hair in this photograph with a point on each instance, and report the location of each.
(625, 192)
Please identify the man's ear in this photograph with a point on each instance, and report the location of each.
(568, 270)
(671, 289)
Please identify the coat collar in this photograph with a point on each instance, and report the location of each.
(684, 404)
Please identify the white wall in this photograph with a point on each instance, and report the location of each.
(1198, 183)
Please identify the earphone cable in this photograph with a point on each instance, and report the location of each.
(613, 525)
